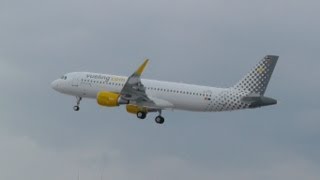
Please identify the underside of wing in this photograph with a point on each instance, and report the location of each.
(134, 91)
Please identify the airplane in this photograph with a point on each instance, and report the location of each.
(143, 96)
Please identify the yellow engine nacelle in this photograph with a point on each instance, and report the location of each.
(109, 99)
(134, 109)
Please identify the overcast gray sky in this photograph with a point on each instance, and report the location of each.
(208, 42)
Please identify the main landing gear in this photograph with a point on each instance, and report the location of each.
(142, 115)
(77, 107)
(159, 119)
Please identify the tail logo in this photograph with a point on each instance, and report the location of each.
(261, 69)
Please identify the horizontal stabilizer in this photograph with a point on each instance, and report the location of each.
(255, 101)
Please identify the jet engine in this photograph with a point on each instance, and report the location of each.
(110, 99)
(135, 109)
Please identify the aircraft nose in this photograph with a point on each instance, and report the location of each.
(55, 85)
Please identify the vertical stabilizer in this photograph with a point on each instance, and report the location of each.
(256, 81)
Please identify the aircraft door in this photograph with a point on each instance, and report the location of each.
(75, 82)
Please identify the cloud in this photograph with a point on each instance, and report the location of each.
(33, 161)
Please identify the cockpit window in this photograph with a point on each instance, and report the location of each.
(64, 77)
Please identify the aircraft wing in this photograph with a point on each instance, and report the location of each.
(134, 90)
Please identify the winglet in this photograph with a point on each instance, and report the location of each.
(141, 68)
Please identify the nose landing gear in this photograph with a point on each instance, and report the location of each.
(77, 107)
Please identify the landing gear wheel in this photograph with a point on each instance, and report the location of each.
(141, 115)
(159, 120)
(76, 108)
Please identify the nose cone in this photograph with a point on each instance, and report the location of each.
(55, 85)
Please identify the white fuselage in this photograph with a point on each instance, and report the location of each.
(174, 95)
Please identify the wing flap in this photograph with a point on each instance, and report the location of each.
(134, 90)
(156, 103)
